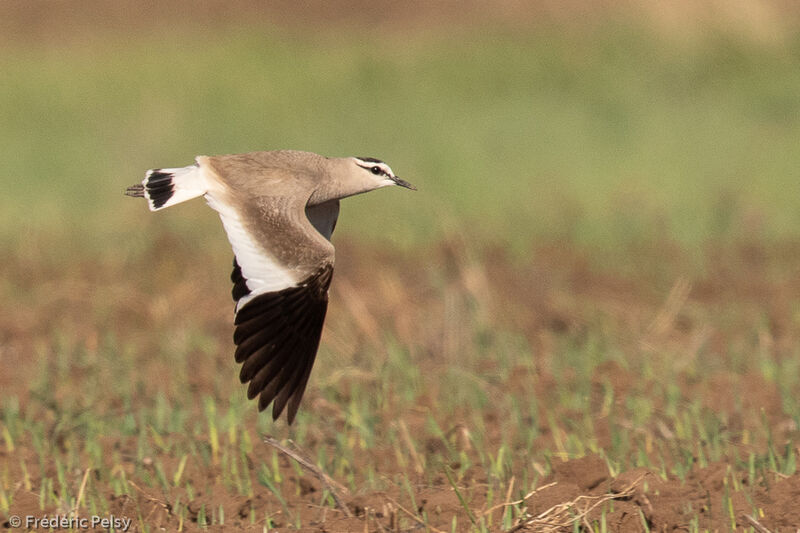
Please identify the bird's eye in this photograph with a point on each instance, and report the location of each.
(376, 170)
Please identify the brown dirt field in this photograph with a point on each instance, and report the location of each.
(557, 291)
(59, 21)
(577, 487)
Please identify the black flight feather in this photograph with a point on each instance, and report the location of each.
(277, 335)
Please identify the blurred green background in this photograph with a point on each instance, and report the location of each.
(600, 129)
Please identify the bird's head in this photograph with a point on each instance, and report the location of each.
(379, 172)
(348, 176)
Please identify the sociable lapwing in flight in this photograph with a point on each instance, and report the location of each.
(279, 210)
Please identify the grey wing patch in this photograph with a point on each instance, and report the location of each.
(277, 335)
(323, 217)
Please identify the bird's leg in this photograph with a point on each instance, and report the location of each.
(330, 484)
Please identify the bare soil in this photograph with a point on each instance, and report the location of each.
(58, 22)
(557, 291)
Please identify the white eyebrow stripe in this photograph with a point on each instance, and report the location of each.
(383, 166)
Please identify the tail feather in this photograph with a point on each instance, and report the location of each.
(160, 187)
(164, 187)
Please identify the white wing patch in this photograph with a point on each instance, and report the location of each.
(261, 271)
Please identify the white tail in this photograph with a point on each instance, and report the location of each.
(164, 187)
